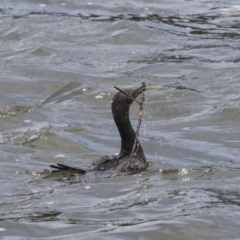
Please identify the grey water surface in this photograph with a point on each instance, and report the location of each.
(59, 61)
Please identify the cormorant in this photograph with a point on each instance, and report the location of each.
(118, 163)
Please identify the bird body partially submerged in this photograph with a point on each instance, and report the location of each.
(125, 161)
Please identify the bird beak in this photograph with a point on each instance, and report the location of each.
(138, 91)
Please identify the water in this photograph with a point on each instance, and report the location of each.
(59, 62)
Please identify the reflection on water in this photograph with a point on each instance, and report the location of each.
(59, 63)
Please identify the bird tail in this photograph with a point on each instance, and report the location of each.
(63, 167)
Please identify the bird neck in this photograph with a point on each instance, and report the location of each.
(126, 131)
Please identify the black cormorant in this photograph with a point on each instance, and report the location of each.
(120, 109)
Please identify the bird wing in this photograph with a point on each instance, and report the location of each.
(100, 160)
